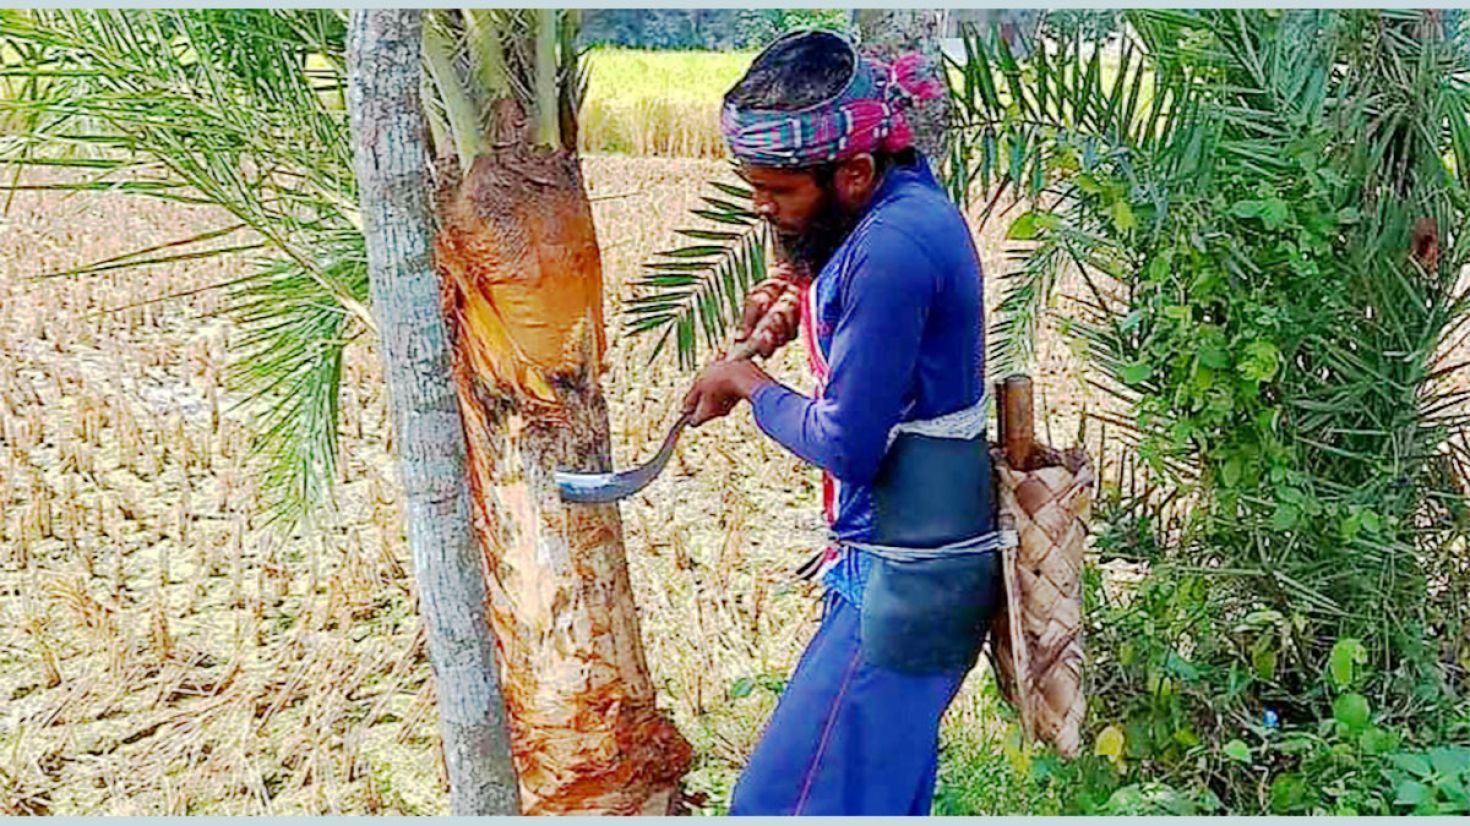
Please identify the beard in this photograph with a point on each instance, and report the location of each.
(813, 247)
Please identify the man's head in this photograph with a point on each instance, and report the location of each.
(814, 126)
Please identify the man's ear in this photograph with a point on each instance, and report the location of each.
(856, 178)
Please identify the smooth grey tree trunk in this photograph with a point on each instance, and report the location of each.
(390, 155)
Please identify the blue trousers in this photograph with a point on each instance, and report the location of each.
(847, 737)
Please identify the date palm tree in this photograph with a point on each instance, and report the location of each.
(244, 111)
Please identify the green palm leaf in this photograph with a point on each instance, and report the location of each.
(694, 294)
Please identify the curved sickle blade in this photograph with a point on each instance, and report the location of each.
(600, 488)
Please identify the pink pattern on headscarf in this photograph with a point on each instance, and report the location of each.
(910, 74)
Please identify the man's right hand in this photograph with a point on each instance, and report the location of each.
(773, 310)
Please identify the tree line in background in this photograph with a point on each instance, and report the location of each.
(700, 28)
(724, 29)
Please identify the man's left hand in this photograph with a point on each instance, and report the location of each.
(720, 387)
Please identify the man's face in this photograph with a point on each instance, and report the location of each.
(808, 217)
(786, 198)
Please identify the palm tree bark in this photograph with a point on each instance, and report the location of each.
(522, 290)
(383, 58)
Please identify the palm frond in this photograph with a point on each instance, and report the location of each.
(695, 293)
(452, 90)
(289, 365)
(478, 57)
(1070, 118)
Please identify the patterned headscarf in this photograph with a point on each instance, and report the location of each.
(867, 115)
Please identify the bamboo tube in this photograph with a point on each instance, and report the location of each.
(1017, 423)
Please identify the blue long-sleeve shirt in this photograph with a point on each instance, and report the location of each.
(898, 317)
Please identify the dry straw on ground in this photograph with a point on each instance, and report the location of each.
(162, 653)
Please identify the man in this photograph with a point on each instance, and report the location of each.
(892, 320)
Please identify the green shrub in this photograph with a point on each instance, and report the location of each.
(1270, 254)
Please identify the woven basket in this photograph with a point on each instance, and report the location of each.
(1036, 639)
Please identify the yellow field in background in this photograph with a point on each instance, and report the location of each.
(657, 103)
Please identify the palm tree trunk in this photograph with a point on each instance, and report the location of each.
(390, 154)
(522, 290)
